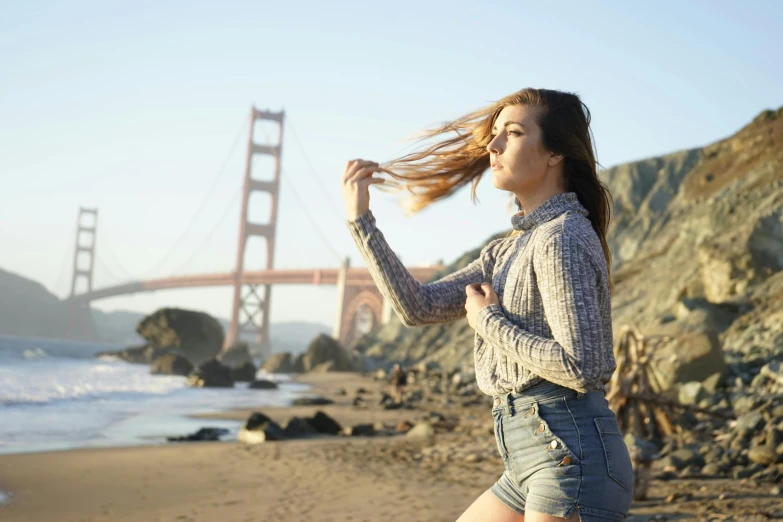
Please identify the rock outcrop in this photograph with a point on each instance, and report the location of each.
(195, 335)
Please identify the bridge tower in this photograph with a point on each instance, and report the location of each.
(78, 319)
(250, 310)
(85, 227)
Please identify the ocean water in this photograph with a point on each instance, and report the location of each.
(57, 395)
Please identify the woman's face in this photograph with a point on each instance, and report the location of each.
(517, 156)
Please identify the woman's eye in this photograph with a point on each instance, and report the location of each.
(515, 133)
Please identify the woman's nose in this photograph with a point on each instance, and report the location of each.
(492, 146)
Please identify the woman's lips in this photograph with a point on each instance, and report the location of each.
(496, 166)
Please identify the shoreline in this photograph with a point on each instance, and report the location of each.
(149, 425)
(318, 479)
(329, 478)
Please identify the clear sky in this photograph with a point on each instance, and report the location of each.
(140, 110)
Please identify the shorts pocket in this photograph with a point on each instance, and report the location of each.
(499, 437)
(618, 460)
(552, 425)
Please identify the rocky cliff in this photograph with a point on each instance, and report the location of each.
(27, 309)
(700, 228)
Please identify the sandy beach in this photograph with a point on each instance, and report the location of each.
(325, 479)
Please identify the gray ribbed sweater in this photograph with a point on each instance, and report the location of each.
(554, 320)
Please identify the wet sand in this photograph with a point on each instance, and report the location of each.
(334, 479)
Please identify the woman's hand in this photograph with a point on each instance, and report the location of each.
(357, 178)
(478, 296)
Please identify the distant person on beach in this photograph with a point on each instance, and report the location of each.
(399, 378)
(539, 299)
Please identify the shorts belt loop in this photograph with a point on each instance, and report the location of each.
(509, 403)
(580, 396)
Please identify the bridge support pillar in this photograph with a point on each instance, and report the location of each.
(360, 308)
(250, 310)
(341, 276)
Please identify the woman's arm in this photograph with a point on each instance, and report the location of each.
(568, 284)
(415, 303)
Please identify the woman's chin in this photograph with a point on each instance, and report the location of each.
(497, 182)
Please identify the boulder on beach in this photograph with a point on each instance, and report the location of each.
(238, 354)
(326, 351)
(299, 427)
(260, 428)
(262, 384)
(323, 423)
(211, 374)
(245, 372)
(171, 364)
(282, 363)
(196, 335)
(204, 434)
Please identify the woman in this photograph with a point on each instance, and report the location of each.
(539, 300)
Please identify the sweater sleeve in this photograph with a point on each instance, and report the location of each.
(568, 286)
(415, 303)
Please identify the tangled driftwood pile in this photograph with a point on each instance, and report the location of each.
(634, 385)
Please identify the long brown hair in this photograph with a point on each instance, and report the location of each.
(438, 170)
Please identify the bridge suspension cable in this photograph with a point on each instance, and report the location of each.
(105, 268)
(64, 268)
(313, 222)
(105, 245)
(201, 205)
(231, 205)
(314, 173)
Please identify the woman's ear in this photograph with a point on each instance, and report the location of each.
(554, 159)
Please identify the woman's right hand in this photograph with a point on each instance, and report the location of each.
(357, 178)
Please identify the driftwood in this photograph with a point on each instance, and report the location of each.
(631, 391)
(632, 397)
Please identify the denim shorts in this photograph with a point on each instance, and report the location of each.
(562, 450)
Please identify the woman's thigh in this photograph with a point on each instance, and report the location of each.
(489, 507)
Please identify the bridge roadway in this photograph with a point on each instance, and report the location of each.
(327, 276)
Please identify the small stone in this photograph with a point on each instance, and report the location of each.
(691, 393)
(678, 496)
(741, 473)
(762, 455)
(422, 429)
(403, 426)
(359, 430)
(743, 405)
(776, 491)
(749, 421)
(711, 383)
(710, 470)
(685, 457)
(311, 401)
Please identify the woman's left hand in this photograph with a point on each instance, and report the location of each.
(478, 296)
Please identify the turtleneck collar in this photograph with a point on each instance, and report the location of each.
(548, 210)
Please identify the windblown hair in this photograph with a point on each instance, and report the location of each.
(459, 155)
